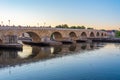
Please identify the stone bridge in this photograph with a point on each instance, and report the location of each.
(38, 34)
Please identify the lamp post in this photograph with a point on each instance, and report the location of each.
(9, 22)
(38, 24)
(44, 24)
(1, 23)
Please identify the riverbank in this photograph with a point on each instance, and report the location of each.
(108, 40)
(11, 46)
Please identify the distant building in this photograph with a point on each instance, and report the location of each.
(111, 33)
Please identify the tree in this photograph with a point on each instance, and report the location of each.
(65, 26)
(103, 30)
(90, 28)
(58, 26)
(117, 33)
(62, 26)
(79, 27)
(82, 27)
(73, 27)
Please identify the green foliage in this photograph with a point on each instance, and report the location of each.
(90, 28)
(72, 27)
(82, 27)
(62, 26)
(103, 30)
(117, 34)
(58, 26)
(77, 27)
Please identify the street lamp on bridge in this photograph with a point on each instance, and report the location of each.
(1, 23)
(44, 24)
(38, 24)
(9, 22)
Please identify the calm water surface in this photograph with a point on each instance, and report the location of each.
(96, 61)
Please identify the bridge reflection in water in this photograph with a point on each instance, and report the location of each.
(34, 53)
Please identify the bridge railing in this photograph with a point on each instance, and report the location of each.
(19, 27)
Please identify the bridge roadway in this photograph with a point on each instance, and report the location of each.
(9, 34)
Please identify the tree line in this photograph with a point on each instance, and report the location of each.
(117, 34)
(72, 27)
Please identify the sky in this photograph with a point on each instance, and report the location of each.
(100, 14)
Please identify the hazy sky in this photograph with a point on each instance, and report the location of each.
(90, 13)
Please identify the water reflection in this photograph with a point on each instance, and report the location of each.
(27, 50)
(117, 45)
(34, 53)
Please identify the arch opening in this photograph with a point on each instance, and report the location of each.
(102, 34)
(56, 36)
(83, 35)
(98, 34)
(92, 35)
(105, 34)
(30, 36)
(1, 41)
(72, 35)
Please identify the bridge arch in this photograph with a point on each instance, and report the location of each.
(92, 35)
(97, 34)
(72, 35)
(83, 35)
(105, 34)
(1, 41)
(34, 36)
(102, 34)
(56, 36)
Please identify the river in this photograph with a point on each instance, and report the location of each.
(95, 61)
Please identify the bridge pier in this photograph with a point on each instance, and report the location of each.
(57, 41)
(49, 41)
(89, 41)
(67, 41)
(10, 39)
(10, 42)
(45, 39)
